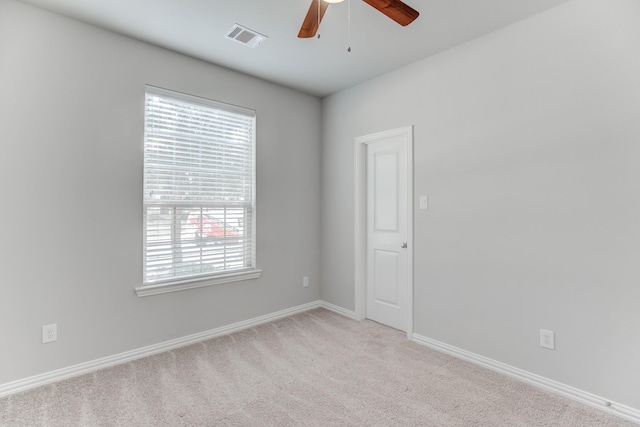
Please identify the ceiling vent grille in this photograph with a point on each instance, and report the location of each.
(245, 36)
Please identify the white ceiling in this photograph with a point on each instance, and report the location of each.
(316, 66)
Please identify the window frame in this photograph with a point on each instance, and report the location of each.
(172, 284)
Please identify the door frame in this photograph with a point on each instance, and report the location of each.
(360, 217)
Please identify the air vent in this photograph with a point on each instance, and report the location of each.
(245, 36)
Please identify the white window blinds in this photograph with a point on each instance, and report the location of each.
(198, 187)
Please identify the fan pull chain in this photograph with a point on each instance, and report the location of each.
(349, 25)
(319, 18)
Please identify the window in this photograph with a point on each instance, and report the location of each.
(199, 192)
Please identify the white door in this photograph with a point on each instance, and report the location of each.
(387, 278)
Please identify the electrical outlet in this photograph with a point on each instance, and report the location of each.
(547, 339)
(305, 281)
(49, 333)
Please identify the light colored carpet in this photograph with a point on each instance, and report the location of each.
(313, 369)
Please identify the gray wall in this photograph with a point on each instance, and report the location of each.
(71, 125)
(527, 142)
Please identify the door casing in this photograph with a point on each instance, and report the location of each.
(361, 219)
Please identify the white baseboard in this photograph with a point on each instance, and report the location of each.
(105, 362)
(337, 309)
(573, 393)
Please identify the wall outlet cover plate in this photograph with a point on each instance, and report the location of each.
(547, 339)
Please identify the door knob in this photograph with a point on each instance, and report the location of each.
(403, 245)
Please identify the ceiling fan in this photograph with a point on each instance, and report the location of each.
(394, 9)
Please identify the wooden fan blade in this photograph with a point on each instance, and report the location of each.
(311, 21)
(400, 12)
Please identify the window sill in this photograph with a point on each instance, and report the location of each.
(163, 288)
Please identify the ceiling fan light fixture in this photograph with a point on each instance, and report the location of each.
(397, 10)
